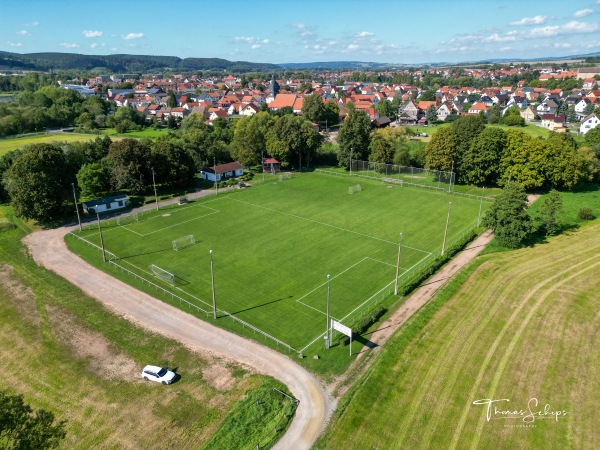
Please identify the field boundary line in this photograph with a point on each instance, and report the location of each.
(325, 224)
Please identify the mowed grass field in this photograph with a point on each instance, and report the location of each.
(275, 243)
(66, 353)
(7, 145)
(519, 326)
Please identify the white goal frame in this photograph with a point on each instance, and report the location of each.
(122, 220)
(162, 274)
(183, 242)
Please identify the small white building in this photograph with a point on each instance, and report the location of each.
(222, 171)
(589, 123)
(108, 204)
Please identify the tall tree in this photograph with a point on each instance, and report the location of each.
(313, 108)
(249, 138)
(35, 183)
(442, 150)
(93, 180)
(385, 142)
(173, 164)
(293, 138)
(481, 162)
(354, 134)
(21, 427)
(551, 210)
(431, 114)
(508, 216)
(129, 161)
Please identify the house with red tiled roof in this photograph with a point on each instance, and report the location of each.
(283, 100)
(249, 110)
(554, 122)
(478, 107)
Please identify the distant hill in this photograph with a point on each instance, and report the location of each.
(339, 65)
(124, 63)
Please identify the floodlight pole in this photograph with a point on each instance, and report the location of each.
(398, 265)
(328, 328)
(212, 277)
(76, 208)
(480, 205)
(262, 165)
(154, 184)
(215, 167)
(350, 161)
(446, 230)
(101, 238)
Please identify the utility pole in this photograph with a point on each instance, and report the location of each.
(398, 265)
(446, 230)
(155, 194)
(480, 205)
(215, 169)
(212, 277)
(328, 328)
(101, 238)
(451, 177)
(350, 161)
(76, 208)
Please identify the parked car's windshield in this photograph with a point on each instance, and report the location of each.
(162, 372)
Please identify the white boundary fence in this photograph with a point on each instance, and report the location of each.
(112, 258)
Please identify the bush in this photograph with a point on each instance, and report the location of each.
(586, 214)
(6, 226)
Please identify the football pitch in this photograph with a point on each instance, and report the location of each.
(275, 243)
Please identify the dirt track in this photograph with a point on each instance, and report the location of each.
(316, 404)
(49, 249)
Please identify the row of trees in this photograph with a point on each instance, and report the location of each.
(51, 107)
(493, 156)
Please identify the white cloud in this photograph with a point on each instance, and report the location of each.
(583, 12)
(265, 41)
(65, 45)
(23, 33)
(255, 46)
(364, 34)
(593, 44)
(352, 47)
(31, 24)
(497, 38)
(537, 20)
(94, 45)
(92, 34)
(562, 45)
(113, 49)
(572, 27)
(505, 49)
(131, 36)
(14, 44)
(303, 31)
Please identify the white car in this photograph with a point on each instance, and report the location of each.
(158, 374)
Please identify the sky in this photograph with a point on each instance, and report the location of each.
(268, 31)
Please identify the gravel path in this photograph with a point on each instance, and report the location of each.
(316, 404)
(48, 248)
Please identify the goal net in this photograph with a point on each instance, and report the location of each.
(162, 274)
(183, 242)
(122, 220)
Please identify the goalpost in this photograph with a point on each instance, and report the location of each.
(183, 242)
(162, 274)
(122, 220)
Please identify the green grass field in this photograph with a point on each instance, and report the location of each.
(275, 243)
(66, 353)
(9, 144)
(149, 133)
(515, 325)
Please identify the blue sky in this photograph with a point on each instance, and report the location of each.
(305, 31)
